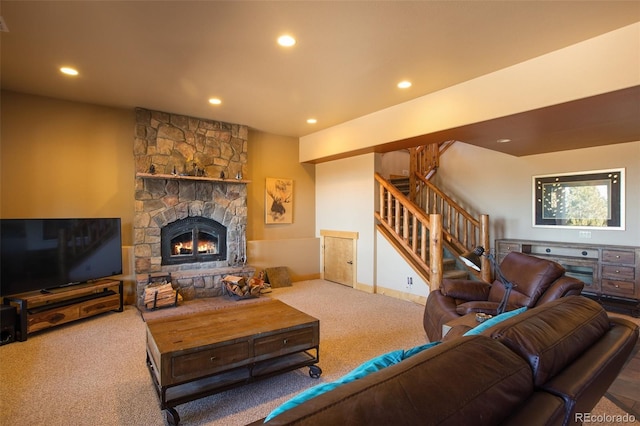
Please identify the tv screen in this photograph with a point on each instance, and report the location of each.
(42, 254)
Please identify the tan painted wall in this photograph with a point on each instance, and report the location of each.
(504, 191)
(292, 245)
(65, 159)
(68, 159)
(345, 194)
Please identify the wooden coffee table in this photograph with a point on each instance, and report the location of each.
(195, 355)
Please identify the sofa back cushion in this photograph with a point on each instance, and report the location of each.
(531, 276)
(473, 377)
(369, 367)
(551, 336)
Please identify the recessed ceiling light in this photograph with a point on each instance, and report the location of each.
(68, 71)
(312, 121)
(404, 84)
(503, 140)
(215, 101)
(286, 40)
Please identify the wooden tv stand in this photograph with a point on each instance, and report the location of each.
(40, 310)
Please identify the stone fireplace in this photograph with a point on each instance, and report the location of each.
(189, 190)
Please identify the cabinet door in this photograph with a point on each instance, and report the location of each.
(339, 257)
(585, 270)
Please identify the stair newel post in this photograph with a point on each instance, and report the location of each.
(435, 251)
(485, 265)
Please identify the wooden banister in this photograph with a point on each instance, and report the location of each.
(419, 233)
(461, 231)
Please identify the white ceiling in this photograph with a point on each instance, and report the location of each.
(174, 55)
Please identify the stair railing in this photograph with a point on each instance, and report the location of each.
(461, 230)
(424, 161)
(420, 234)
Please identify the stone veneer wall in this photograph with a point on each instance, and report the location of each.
(172, 142)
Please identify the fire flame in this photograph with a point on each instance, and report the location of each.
(205, 247)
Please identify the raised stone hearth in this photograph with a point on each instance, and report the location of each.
(187, 168)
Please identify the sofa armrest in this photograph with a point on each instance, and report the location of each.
(478, 306)
(583, 383)
(542, 408)
(562, 287)
(456, 332)
(465, 289)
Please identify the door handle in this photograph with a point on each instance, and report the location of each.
(350, 262)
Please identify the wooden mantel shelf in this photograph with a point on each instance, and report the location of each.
(185, 177)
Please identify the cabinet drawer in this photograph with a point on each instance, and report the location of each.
(103, 304)
(577, 253)
(208, 361)
(615, 272)
(504, 247)
(618, 288)
(289, 341)
(619, 256)
(52, 317)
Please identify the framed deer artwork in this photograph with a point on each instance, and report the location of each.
(278, 201)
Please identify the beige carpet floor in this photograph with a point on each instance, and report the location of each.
(93, 372)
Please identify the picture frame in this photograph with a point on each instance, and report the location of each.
(278, 201)
(582, 200)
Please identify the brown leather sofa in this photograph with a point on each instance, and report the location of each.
(539, 367)
(536, 281)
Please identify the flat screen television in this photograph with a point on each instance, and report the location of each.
(44, 254)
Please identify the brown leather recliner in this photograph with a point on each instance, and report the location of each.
(536, 281)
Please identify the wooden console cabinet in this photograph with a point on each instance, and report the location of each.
(611, 274)
(38, 310)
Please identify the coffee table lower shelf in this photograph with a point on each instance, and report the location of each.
(174, 395)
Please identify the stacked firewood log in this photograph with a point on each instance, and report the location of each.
(160, 295)
(238, 286)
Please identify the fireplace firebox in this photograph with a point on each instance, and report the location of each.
(193, 239)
